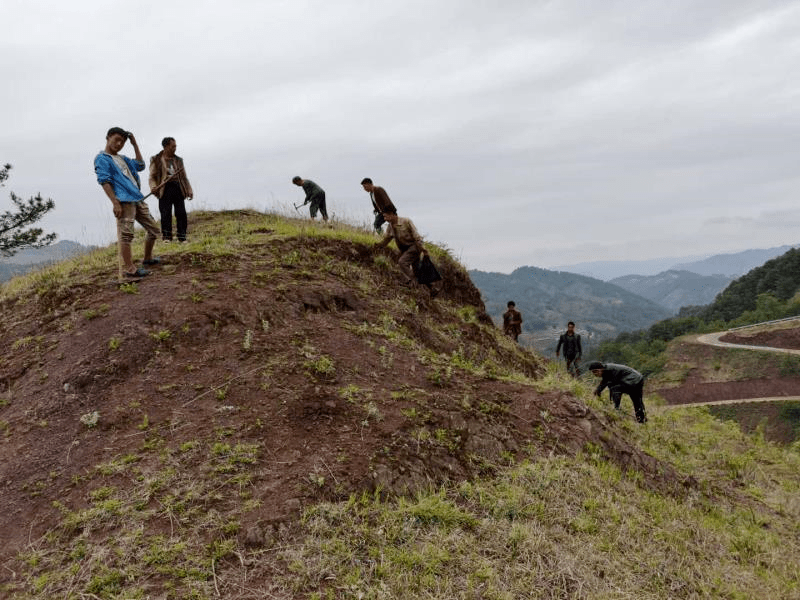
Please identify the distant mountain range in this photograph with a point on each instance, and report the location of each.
(549, 299)
(675, 289)
(27, 260)
(732, 265)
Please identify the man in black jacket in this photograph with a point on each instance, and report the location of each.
(512, 321)
(571, 342)
(621, 379)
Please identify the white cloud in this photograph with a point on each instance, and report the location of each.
(635, 126)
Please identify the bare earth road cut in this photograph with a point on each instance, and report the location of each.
(715, 339)
(781, 338)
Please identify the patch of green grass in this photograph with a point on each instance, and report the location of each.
(27, 342)
(247, 343)
(350, 393)
(93, 313)
(108, 548)
(440, 376)
(542, 529)
(382, 262)
(162, 335)
(322, 365)
(468, 314)
(129, 288)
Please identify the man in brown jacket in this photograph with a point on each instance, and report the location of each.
(169, 183)
(512, 321)
(381, 203)
(408, 241)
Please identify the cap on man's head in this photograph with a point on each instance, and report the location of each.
(366, 180)
(297, 179)
(596, 364)
(119, 130)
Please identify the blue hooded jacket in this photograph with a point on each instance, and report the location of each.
(108, 172)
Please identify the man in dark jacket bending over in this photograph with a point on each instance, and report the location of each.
(621, 379)
(314, 195)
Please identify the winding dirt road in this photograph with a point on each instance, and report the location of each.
(713, 339)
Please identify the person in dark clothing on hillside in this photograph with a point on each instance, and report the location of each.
(169, 183)
(621, 379)
(512, 321)
(381, 203)
(315, 195)
(571, 342)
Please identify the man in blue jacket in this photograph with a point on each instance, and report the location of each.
(621, 379)
(118, 176)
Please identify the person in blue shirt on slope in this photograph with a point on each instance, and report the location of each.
(118, 176)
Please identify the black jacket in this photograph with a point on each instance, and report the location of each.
(571, 343)
(619, 375)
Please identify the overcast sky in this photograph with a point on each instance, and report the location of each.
(534, 133)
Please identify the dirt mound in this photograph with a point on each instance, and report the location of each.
(265, 366)
(778, 338)
(694, 390)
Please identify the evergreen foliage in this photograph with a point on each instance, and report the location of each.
(769, 292)
(13, 233)
(779, 277)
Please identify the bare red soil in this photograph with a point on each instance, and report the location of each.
(308, 358)
(780, 338)
(779, 377)
(694, 390)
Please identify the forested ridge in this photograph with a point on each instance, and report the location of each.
(771, 291)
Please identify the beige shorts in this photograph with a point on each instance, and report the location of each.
(133, 212)
(136, 211)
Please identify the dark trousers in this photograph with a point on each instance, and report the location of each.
(172, 197)
(408, 257)
(379, 221)
(635, 392)
(318, 204)
(572, 361)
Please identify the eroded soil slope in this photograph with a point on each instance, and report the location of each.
(260, 369)
(779, 338)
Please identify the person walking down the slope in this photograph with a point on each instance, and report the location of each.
(381, 203)
(408, 241)
(512, 321)
(571, 343)
(621, 379)
(119, 178)
(315, 195)
(169, 183)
